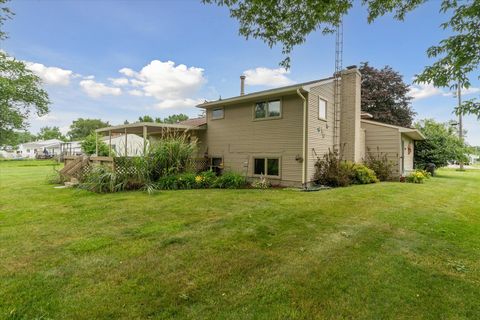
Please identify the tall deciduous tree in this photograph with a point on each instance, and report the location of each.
(21, 95)
(289, 22)
(47, 133)
(441, 146)
(81, 128)
(385, 95)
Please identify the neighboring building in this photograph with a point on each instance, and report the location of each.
(280, 133)
(473, 158)
(43, 147)
(134, 144)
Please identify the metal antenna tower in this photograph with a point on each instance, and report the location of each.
(337, 91)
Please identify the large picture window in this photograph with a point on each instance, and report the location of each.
(322, 109)
(268, 109)
(267, 166)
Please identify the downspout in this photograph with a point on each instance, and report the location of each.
(304, 140)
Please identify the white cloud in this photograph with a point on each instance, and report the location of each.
(178, 103)
(423, 91)
(51, 75)
(135, 92)
(47, 118)
(267, 77)
(465, 92)
(119, 81)
(172, 85)
(128, 72)
(98, 89)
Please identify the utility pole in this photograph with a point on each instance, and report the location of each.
(460, 118)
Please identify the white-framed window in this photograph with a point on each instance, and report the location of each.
(266, 166)
(322, 109)
(218, 113)
(268, 109)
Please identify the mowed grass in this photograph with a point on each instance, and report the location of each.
(384, 251)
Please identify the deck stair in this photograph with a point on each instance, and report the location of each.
(75, 168)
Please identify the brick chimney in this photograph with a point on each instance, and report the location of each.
(350, 114)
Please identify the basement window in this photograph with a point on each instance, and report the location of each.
(268, 109)
(322, 109)
(267, 166)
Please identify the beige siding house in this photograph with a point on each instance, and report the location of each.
(280, 133)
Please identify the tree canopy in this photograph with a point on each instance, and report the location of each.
(442, 144)
(145, 118)
(20, 95)
(173, 118)
(289, 22)
(47, 133)
(81, 127)
(385, 95)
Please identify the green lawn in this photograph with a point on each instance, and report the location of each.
(389, 250)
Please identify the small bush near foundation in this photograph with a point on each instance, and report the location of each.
(332, 171)
(261, 183)
(380, 164)
(363, 175)
(230, 180)
(418, 176)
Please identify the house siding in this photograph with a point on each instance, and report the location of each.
(320, 133)
(238, 138)
(386, 140)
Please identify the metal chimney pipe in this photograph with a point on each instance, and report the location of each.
(242, 85)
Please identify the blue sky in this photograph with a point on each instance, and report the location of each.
(117, 60)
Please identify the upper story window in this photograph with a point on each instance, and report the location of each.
(217, 113)
(268, 109)
(322, 109)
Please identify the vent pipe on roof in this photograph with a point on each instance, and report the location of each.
(242, 85)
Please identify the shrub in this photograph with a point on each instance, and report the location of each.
(187, 181)
(101, 179)
(380, 164)
(361, 174)
(417, 176)
(168, 183)
(230, 180)
(89, 145)
(261, 183)
(170, 156)
(332, 171)
(206, 179)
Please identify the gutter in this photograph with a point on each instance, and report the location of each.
(304, 139)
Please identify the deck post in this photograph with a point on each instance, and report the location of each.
(110, 143)
(96, 143)
(144, 140)
(126, 153)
